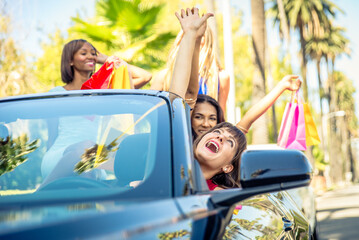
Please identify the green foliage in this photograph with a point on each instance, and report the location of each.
(320, 163)
(242, 57)
(48, 65)
(345, 99)
(129, 29)
(13, 152)
(15, 73)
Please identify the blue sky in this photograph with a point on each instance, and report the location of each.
(35, 19)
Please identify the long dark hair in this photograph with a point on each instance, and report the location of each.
(68, 52)
(231, 179)
(201, 98)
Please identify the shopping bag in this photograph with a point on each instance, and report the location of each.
(121, 78)
(110, 76)
(285, 126)
(311, 133)
(286, 122)
(292, 131)
(100, 79)
(296, 137)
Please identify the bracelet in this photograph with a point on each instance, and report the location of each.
(191, 102)
(245, 131)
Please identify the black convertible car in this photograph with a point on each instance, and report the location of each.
(118, 164)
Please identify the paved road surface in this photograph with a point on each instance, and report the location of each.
(338, 214)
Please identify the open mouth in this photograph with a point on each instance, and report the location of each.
(212, 146)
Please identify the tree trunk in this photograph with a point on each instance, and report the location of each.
(303, 63)
(321, 90)
(335, 153)
(351, 157)
(213, 25)
(260, 126)
(321, 96)
(283, 21)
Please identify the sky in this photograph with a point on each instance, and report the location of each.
(34, 20)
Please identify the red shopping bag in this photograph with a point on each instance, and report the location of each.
(292, 129)
(100, 79)
(110, 76)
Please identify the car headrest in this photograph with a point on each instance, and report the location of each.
(130, 159)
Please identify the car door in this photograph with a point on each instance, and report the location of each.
(267, 216)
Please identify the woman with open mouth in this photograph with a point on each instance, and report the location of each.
(219, 150)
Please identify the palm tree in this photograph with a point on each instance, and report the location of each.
(317, 48)
(328, 46)
(283, 20)
(129, 28)
(308, 17)
(260, 127)
(213, 24)
(345, 102)
(338, 45)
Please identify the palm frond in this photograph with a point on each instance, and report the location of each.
(94, 32)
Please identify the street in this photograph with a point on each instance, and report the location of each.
(338, 214)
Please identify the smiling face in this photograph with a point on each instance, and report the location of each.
(216, 150)
(84, 59)
(204, 117)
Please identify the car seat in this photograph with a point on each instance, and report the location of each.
(130, 159)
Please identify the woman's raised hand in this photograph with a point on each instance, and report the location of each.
(191, 21)
(291, 82)
(101, 58)
(115, 60)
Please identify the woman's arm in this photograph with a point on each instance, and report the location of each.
(193, 86)
(140, 76)
(101, 58)
(158, 80)
(190, 23)
(223, 89)
(289, 82)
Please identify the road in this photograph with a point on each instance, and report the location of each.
(338, 214)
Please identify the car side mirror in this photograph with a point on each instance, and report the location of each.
(264, 171)
(290, 168)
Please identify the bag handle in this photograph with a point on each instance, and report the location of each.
(296, 97)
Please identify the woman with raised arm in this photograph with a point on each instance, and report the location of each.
(219, 150)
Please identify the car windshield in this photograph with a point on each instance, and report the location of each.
(73, 144)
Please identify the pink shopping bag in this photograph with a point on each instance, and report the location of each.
(292, 130)
(284, 126)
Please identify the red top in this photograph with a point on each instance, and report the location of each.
(211, 185)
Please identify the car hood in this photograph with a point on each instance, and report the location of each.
(86, 220)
